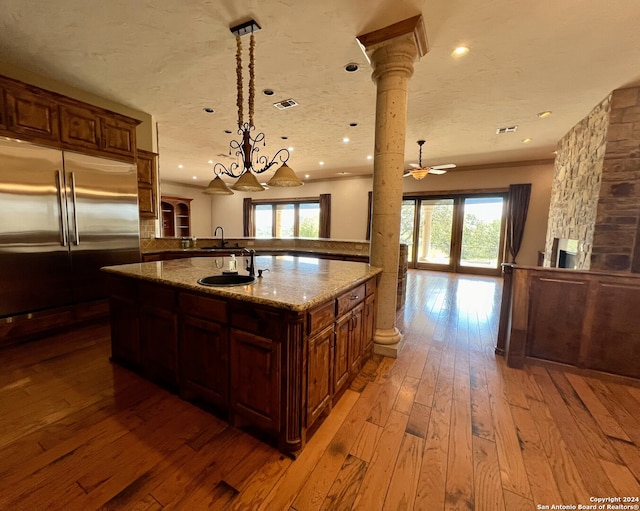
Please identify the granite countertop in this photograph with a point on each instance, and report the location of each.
(284, 250)
(292, 282)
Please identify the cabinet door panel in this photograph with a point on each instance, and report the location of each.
(33, 114)
(369, 323)
(79, 127)
(340, 354)
(319, 374)
(125, 335)
(159, 345)
(255, 379)
(355, 339)
(118, 137)
(204, 359)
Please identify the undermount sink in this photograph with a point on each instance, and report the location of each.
(227, 280)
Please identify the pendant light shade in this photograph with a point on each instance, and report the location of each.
(285, 177)
(419, 173)
(247, 183)
(217, 187)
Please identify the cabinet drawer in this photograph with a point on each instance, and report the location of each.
(370, 286)
(348, 300)
(321, 317)
(256, 320)
(154, 295)
(210, 309)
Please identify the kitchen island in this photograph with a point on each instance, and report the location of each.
(273, 356)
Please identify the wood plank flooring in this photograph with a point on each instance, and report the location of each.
(446, 426)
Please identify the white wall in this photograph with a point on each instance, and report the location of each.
(349, 202)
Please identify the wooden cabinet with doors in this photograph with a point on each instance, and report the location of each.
(124, 316)
(32, 113)
(203, 347)
(147, 178)
(159, 333)
(176, 217)
(51, 119)
(320, 324)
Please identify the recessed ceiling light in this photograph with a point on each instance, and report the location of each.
(320, 163)
(268, 92)
(369, 157)
(544, 114)
(208, 110)
(284, 138)
(343, 173)
(290, 149)
(352, 67)
(194, 177)
(210, 162)
(180, 166)
(460, 51)
(353, 124)
(527, 140)
(306, 176)
(228, 132)
(345, 140)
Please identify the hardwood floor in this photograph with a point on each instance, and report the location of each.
(445, 426)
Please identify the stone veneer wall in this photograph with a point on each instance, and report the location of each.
(576, 183)
(616, 241)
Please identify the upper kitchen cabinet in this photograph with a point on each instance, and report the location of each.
(32, 113)
(147, 177)
(47, 118)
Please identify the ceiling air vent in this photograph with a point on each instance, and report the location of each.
(287, 103)
(508, 129)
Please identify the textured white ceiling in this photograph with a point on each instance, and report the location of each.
(172, 58)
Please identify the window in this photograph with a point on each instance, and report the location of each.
(290, 219)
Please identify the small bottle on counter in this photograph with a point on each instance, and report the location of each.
(184, 243)
(233, 264)
(193, 243)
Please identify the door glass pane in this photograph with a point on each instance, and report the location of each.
(481, 232)
(263, 220)
(285, 220)
(434, 237)
(309, 220)
(407, 221)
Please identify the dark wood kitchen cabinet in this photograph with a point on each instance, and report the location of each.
(159, 334)
(203, 346)
(147, 177)
(273, 369)
(32, 113)
(44, 117)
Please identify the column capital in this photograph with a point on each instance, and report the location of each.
(394, 49)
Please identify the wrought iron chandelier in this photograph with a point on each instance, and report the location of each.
(249, 162)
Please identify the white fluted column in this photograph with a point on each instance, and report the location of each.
(392, 61)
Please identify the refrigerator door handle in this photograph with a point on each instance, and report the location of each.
(75, 209)
(64, 240)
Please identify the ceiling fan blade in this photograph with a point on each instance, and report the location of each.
(406, 174)
(437, 171)
(414, 165)
(445, 166)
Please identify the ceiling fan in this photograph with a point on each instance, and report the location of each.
(418, 171)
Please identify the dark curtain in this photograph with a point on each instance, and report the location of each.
(517, 207)
(247, 217)
(369, 216)
(325, 215)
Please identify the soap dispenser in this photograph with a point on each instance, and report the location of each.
(233, 264)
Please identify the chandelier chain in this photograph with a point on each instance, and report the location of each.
(239, 83)
(252, 79)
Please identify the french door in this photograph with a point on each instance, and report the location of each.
(457, 233)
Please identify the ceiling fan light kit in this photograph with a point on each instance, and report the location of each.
(419, 171)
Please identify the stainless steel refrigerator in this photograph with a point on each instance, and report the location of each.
(63, 216)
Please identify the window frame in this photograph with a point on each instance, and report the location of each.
(296, 215)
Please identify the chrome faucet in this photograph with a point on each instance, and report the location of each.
(250, 265)
(222, 242)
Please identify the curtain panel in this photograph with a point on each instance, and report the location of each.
(517, 207)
